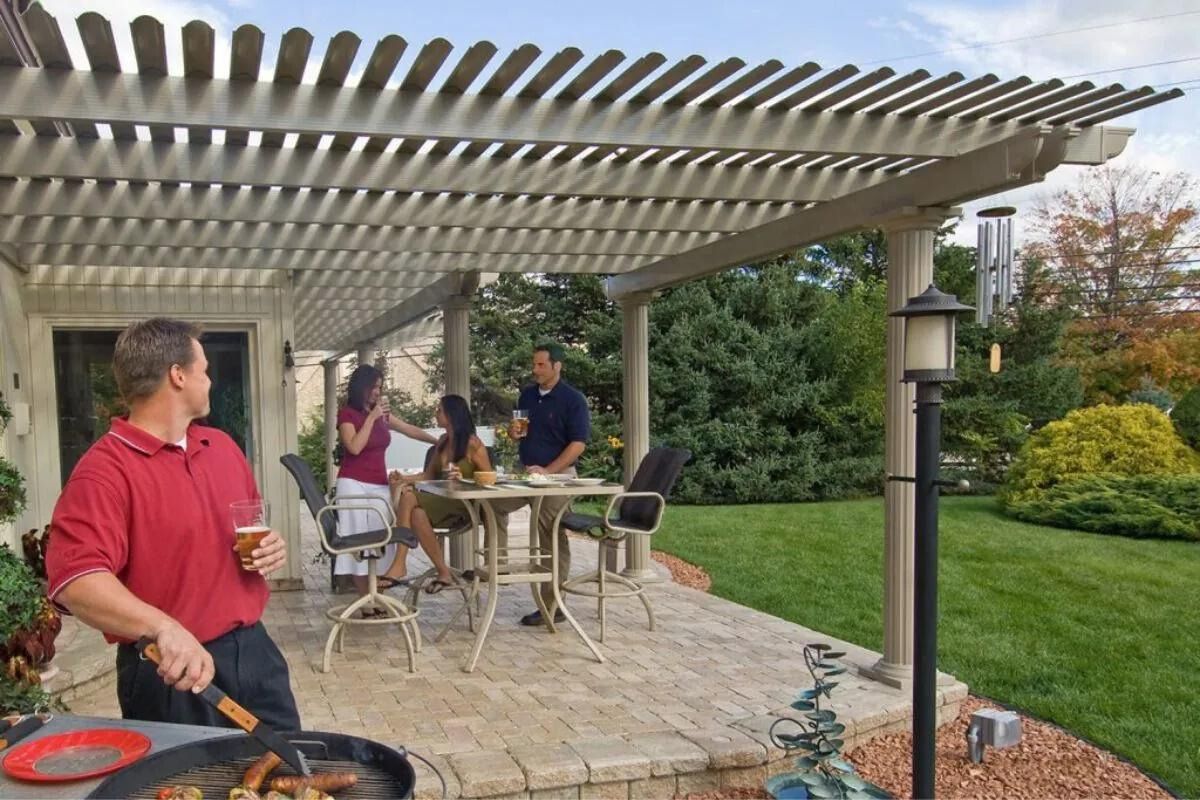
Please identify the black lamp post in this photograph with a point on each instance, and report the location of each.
(929, 320)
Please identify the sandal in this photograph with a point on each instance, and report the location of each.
(386, 583)
(372, 613)
(437, 584)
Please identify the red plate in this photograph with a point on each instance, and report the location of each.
(76, 755)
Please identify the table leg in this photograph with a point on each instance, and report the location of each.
(558, 601)
(493, 543)
(535, 550)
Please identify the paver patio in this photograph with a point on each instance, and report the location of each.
(683, 708)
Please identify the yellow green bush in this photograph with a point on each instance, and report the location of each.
(1134, 439)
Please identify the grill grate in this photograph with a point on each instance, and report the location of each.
(215, 780)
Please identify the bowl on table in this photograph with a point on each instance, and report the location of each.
(485, 477)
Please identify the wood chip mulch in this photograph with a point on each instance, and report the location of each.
(1048, 763)
(682, 572)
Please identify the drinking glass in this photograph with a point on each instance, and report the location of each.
(520, 423)
(251, 523)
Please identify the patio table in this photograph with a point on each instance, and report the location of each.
(500, 569)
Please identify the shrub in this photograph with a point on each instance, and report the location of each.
(1151, 393)
(1121, 440)
(1139, 506)
(312, 444)
(12, 492)
(1186, 417)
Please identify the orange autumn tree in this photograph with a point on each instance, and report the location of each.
(1120, 249)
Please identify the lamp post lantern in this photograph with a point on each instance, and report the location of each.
(929, 322)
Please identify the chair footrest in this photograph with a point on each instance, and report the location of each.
(582, 585)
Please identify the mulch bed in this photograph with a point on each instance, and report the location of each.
(1048, 762)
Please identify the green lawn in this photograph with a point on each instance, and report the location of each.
(1099, 634)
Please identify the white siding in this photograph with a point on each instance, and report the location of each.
(111, 297)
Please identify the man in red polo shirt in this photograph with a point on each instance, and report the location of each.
(143, 543)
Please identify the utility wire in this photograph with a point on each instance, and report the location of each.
(997, 43)
(1127, 69)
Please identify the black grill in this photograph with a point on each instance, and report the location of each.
(216, 765)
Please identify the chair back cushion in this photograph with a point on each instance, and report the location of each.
(657, 473)
(310, 490)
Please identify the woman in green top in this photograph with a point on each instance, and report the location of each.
(459, 453)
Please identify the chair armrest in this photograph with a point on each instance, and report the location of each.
(386, 531)
(373, 498)
(661, 502)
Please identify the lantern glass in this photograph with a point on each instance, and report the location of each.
(929, 343)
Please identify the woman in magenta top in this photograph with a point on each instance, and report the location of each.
(364, 429)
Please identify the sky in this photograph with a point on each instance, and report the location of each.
(937, 35)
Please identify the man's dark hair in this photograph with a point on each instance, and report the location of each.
(552, 349)
(362, 381)
(147, 350)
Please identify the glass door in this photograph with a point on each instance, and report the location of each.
(88, 398)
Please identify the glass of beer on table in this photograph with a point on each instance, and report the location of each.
(250, 525)
(520, 423)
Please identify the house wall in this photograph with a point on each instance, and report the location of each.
(112, 298)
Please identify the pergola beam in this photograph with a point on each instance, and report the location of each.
(268, 236)
(114, 160)
(1025, 158)
(398, 264)
(72, 95)
(235, 204)
(405, 312)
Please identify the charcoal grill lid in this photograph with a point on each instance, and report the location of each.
(163, 766)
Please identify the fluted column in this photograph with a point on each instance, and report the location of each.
(910, 271)
(456, 338)
(635, 348)
(331, 411)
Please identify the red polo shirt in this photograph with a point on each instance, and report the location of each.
(157, 516)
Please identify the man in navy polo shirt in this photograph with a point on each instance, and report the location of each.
(559, 428)
(142, 544)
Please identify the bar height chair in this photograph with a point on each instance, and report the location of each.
(366, 545)
(638, 511)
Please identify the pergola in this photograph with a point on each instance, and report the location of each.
(381, 199)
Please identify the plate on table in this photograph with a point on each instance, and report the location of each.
(76, 755)
(586, 481)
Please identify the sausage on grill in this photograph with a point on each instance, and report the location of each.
(260, 769)
(326, 782)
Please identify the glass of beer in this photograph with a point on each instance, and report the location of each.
(250, 525)
(520, 423)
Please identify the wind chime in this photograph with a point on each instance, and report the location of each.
(994, 269)
(993, 263)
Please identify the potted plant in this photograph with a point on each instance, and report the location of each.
(28, 622)
(5, 413)
(821, 771)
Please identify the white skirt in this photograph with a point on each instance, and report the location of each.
(353, 521)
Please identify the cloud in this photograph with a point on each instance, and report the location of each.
(955, 25)
(1167, 139)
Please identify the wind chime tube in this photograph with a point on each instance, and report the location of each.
(1008, 262)
(980, 271)
(988, 247)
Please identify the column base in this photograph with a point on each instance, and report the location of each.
(642, 575)
(898, 676)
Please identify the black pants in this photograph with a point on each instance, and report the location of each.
(250, 669)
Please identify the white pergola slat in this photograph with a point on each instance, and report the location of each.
(49, 95)
(77, 199)
(34, 156)
(366, 198)
(125, 233)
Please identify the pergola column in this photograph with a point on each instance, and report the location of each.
(635, 351)
(366, 353)
(456, 338)
(910, 271)
(330, 369)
